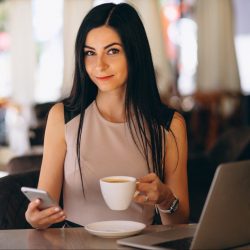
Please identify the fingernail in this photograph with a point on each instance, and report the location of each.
(37, 201)
(136, 193)
(57, 209)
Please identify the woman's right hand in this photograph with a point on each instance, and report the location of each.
(42, 219)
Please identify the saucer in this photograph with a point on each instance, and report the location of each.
(115, 228)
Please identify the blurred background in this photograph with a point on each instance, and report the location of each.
(201, 53)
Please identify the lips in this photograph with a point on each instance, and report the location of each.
(104, 77)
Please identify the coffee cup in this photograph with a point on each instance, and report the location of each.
(118, 191)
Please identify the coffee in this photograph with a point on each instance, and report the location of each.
(115, 180)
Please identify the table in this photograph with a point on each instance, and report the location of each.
(63, 238)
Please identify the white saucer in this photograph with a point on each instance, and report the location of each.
(115, 228)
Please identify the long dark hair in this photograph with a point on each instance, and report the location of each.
(142, 96)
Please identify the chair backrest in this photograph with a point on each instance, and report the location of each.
(13, 203)
(25, 163)
(230, 146)
(233, 145)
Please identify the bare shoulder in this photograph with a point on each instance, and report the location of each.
(56, 113)
(178, 120)
(55, 122)
(178, 124)
(177, 134)
(55, 130)
(177, 145)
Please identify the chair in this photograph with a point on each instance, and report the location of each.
(36, 133)
(13, 203)
(232, 145)
(24, 163)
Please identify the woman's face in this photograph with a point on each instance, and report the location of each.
(105, 59)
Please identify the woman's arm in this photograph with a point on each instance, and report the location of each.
(153, 191)
(51, 175)
(176, 182)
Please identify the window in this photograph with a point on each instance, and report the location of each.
(181, 42)
(242, 41)
(48, 35)
(5, 85)
(98, 2)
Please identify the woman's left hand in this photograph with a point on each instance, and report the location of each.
(151, 191)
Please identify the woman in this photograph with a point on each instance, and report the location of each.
(113, 123)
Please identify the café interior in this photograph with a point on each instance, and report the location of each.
(201, 55)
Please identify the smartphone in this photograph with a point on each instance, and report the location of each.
(34, 193)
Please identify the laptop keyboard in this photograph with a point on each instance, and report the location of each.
(180, 244)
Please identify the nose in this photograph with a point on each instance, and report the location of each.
(101, 63)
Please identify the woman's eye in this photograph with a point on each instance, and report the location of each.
(113, 51)
(89, 53)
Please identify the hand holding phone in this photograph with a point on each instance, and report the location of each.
(34, 193)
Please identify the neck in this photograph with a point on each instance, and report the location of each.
(111, 107)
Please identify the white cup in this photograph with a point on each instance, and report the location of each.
(118, 191)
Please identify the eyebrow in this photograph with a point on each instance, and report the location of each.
(107, 46)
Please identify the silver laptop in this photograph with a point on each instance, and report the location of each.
(224, 221)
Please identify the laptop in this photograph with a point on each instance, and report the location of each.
(224, 221)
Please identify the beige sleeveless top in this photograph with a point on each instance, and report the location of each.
(106, 149)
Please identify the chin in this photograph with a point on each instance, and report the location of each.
(110, 87)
